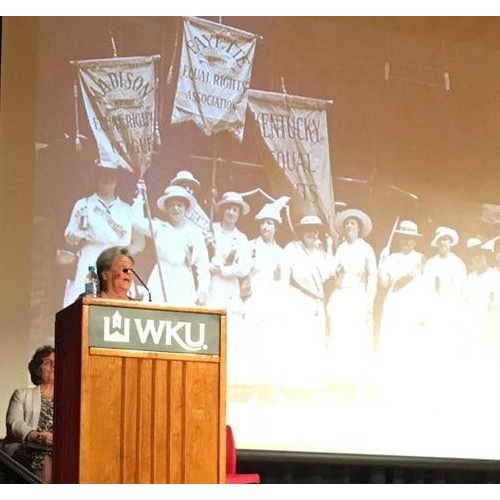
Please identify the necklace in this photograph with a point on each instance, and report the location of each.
(48, 393)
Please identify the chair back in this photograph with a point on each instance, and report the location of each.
(230, 451)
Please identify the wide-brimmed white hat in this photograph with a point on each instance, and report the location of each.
(473, 243)
(235, 199)
(407, 228)
(445, 231)
(491, 244)
(308, 221)
(366, 222)
(184, 177)
(173, 192)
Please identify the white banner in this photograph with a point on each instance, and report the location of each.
(295, 131)
(214, 76)
(198, 217)
(120, 99)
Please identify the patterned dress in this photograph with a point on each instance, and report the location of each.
(24, 454)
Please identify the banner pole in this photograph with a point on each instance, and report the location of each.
(394, 227)
(385, 251)
(153, 237)
(78, 142)
(113, 44)
(212, 187)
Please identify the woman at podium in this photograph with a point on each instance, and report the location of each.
(114, 273)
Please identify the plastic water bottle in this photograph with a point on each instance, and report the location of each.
(91, 283)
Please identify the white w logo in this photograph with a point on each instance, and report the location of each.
(116, 335)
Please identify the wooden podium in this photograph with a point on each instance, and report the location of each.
(140, 393)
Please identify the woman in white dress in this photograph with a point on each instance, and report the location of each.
(480, 347)
(493, 246)
(444, 275)
(399, 347)
(444, 278)
(265, 309)
(350, 308)
(195, 214)
(97, 222)
(181, 251)
(230, 261)
(307, 269)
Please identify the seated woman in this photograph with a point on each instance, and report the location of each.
(114, 272)
(30, 417)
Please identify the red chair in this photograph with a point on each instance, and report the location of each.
(231, 476)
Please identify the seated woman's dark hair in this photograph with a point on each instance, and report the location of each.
(36, 362)
(105, 262)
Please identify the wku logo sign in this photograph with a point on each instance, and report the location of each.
(165, 332)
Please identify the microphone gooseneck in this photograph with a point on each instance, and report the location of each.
(142, 282)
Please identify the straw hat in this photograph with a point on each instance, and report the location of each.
(366, 222)
(309, 221)
(445, 231)
(234, 198)
(473, 243)
(173, 192)
(493, 245)
(407, 228)
(185, 177)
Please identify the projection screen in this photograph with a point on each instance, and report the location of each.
(345, 191)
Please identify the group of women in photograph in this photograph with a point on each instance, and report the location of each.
(304, 312)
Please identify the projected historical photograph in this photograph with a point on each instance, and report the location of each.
(316, 178)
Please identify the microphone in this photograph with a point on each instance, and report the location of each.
(128, 269)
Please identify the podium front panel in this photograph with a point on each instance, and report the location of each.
(150, 416)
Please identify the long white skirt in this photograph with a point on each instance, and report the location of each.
(401, 348)
(303, 354)
(265, 333)
(350, 350)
